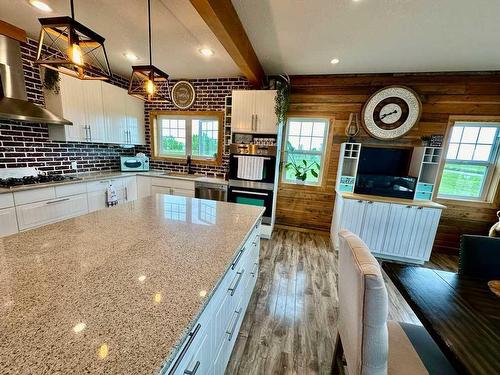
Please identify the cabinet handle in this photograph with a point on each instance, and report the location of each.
(239, 275)
(126, 194)
(419, 208)
(237, 259)
(58, 200)
(408, 206)
(360, 201)
(235, 323)
(254, 271)
(256, 122)
(370, 202)
(190, 340)
(90, 133)
(194, 370)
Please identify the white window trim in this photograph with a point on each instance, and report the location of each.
(488, 190)
(189, 140)
(322, 153)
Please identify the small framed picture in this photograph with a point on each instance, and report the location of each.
(436, 140)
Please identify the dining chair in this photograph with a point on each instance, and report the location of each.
(479, 257)
(370, 343)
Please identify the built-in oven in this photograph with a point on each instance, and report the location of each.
(240, 151)
(254, 194)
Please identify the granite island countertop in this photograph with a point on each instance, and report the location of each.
(114, 291)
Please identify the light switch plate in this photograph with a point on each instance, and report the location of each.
(74, 165)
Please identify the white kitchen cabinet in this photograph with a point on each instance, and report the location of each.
(161, 190)
(377, 215)
(183, 192)
(8, 221)
(172, 186)
(353, 213)
(253, 112)
(126, 191)
(143, 186)
(403, 232)
(130, 187)
(36, 214)
(100, 112)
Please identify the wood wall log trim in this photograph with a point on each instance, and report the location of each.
(444, 96)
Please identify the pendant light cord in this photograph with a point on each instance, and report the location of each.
(72, 6)
(149, 22)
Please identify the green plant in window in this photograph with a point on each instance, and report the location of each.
(302, 168)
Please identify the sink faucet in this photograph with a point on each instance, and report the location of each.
(188, 162)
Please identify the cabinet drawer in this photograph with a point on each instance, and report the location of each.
(183, 192)
(70, 189)
(6, 200)
(194, 356)
(172, 182)
(425, 187)
(8, 221)
(100, 185)
(422, 195)
(40, 213)
(34, 195)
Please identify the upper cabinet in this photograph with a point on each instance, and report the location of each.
(100, 112)
(253, 112)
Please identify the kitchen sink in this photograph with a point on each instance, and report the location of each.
(182, 174)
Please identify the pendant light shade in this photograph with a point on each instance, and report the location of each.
(69, 47)
(147, 82)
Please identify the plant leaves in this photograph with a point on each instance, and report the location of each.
(314, 173)
(305, 162)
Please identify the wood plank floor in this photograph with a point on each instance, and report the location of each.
(290, 324)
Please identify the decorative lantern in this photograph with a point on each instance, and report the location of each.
(352, 128)
(71, 48)
(146, 80)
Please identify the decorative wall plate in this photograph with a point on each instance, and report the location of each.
(183, 95)
(391, 112)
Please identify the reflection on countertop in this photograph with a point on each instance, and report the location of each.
(115, 290)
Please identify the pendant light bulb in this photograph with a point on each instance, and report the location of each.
(150, 87)
(76, 54)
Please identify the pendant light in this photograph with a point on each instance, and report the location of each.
(145, 81)
(72, 48)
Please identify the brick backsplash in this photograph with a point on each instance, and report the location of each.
(24, 144)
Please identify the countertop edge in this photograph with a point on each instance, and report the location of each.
(176, 347)
(376, 198)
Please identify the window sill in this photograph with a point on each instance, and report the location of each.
(290, 184)
(183, 160)
(466, 203)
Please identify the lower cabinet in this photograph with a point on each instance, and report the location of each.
(143, 186)
(390, 230)
(36, 214)
(8, 221)
(208, 346)
(172, 186)
(126, 190)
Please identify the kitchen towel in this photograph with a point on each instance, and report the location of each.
(250, 167)
(111, 197)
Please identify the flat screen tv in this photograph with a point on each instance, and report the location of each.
(384, 171)
(384, 161)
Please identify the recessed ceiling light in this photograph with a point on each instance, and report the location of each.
(334, 61)
(131, 56)
(40, 5)
(206, 52)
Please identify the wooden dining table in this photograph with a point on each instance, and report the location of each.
(460, 313)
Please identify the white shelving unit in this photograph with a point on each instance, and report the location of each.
(425, 166)
(348, 166)
(228, 106)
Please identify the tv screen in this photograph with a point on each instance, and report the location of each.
(384, 161)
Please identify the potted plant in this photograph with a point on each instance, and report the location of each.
(302, 168)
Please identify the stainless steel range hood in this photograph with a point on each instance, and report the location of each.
(14, 104)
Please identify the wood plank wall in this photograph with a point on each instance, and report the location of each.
(442, 95)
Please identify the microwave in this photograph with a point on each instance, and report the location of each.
(134, 163)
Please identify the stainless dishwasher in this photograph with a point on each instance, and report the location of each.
(207, 190)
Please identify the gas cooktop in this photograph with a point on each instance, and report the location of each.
(30, 180)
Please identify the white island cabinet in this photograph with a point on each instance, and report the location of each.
(392, 228)
(208, 345)
(8, 220)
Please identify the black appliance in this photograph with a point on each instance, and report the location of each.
(268, 153)
(384, 161)
(248, 193)
(386, 186)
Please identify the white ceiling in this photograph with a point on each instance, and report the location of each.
(178, 33)
(373, 36)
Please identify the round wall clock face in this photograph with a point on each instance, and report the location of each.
(183, 94)
(391, 112)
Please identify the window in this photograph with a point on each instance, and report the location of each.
(306, 140)
(470, 160)
(198, 134)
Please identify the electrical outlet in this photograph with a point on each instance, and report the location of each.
(74, 165)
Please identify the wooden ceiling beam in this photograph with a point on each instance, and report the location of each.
(12, 31)
(222, 19)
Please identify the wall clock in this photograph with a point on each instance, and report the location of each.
(391, 112)
(183, 95)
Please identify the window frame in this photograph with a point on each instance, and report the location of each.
(323, 154)
(490, 189)
(155, 134)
